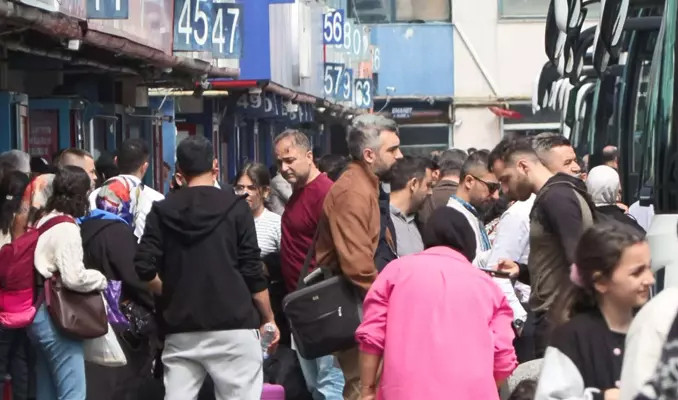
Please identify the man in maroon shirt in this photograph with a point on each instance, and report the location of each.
(309, 187)
(294, 155)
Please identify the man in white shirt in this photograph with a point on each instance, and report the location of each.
(125, 195)
(477, 187)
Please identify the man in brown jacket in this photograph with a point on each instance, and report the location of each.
(349, 224)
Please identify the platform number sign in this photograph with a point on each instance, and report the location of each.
(363, 93)
(346, 86)
(333, 27)
(333, 75)
(208, 25)
(107, 9)
(226, 32)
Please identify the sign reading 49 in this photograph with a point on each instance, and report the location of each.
(208, 25)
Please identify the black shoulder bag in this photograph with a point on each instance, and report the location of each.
(323, 315)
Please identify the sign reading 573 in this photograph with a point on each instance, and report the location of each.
(208, 25)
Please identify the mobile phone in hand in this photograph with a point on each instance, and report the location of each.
(495, 273)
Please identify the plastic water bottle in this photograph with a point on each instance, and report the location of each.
(267, 338)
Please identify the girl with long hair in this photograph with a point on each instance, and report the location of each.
(254, 181)
(610, 280)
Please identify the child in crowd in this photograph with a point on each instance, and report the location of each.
(611, 278)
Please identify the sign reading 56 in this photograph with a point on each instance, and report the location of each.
(208, 25)
(363, 93)
(333, 27)
(338, 80)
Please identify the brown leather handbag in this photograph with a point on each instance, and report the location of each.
(76, 315)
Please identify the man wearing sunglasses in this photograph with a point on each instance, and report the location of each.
(478, 187)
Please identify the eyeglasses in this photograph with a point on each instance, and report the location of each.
(491, 186)
(243, 188)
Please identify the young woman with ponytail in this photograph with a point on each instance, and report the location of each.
(610, 280)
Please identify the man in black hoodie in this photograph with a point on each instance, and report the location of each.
(199, 253)
(561, 213)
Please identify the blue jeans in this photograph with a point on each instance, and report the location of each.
(60, 367)
(323, 377)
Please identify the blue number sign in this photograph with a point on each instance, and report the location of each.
(333, 27)
(346, 82)
(208, 25)
(363, 93)
(338, 81)
(108, 9)
(264, 105)
(226, 30)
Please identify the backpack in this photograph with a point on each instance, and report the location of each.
(17, 276)
(598, 216)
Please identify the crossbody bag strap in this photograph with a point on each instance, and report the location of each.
(54, 221)
(309, 257)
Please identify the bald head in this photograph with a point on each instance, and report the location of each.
(611, 156)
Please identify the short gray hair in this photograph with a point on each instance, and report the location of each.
(364, 133)
(545, 141)
(299, 139)
(17, 160)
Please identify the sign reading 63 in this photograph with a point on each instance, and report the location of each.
(363, 93)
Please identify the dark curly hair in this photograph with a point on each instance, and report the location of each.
(12, 187)
(70, 189)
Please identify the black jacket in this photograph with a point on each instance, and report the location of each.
(109, 247)
(619, 215)
(202, 243)
(386, 248)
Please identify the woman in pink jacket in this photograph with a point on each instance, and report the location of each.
(441, 325)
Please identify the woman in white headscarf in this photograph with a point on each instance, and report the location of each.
(605, 189)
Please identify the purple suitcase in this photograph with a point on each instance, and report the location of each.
(273, 392)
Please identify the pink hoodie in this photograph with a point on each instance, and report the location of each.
(442, 326)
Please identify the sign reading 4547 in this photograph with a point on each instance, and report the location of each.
(208, 25)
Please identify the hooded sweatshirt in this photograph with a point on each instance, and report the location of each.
(109, 245)
(202, 243)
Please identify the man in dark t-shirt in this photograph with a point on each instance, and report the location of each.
(299, 223)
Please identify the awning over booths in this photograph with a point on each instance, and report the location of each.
(66, 27)
(305, 101)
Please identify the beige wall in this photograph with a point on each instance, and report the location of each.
(511, 53)
(475, 127)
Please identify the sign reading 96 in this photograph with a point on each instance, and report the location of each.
(363, 93)
(208, 25)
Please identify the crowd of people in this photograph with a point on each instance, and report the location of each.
(513, 273)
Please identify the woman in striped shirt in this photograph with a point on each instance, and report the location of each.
(254, 180)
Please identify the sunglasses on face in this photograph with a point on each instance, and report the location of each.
(491, 186)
